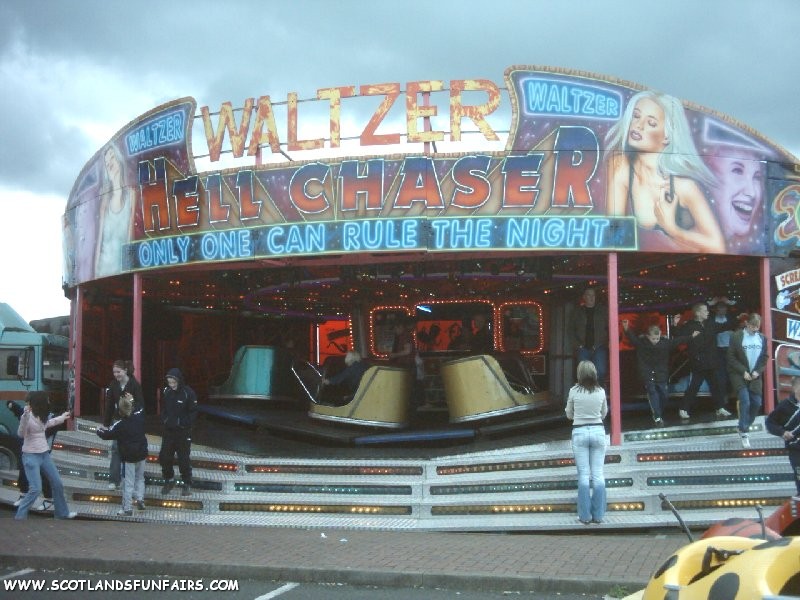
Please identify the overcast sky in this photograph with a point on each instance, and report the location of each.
(74, 72)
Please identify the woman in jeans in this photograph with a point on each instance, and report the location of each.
(586, 408)
(36, 455)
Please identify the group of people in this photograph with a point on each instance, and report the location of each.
(124, 424)
(721, 353)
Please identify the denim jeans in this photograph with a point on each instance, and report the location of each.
(749, 407)
(589, 448)
(35, 464)
(598, 356)
(115, 468)
(132, 483)
(657, 397)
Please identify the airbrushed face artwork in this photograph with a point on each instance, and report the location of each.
(547, 190)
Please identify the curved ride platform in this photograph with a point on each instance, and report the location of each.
(476, 387)
(528, 482)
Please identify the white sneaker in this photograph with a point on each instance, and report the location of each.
(722, 412)
(683, 414)
(44, 506)
(113, 486)
(18, 501)
(745, 440)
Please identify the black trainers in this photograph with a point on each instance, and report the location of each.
(167, 487)
(139, 504)
(186, 491)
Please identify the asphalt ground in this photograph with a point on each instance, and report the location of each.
(587, 562)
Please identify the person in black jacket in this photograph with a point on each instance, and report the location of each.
(590, 333)
(652, 359)
(784, 421)
(132, 443)
(747, 360)
(704, 360)
(124, 383)
(178, 414)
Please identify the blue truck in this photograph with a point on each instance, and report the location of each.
(30, 360)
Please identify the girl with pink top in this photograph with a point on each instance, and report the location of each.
(36, 455)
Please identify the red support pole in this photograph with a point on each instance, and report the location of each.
(766, 321)
(613, 351)
(76, 345)
(137, 324)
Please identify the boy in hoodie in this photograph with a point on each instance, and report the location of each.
(178, 414)
(132, 443)
(784, 422)
(652, 358)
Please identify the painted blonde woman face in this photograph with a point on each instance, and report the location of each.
(739, 192)
(113, 168)
(646, 132)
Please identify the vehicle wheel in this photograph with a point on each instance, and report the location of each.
(8, 459)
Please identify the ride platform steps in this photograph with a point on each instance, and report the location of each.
(701, 467)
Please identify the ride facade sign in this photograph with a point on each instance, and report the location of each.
(589, 164)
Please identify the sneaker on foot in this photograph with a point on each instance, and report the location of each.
(44, 506)
(139, 504)
(186, 491)
(124, 513)
(721, 412)
(659, 422)
(584, 522)
(745, 440)
(113, 486)
(18, 501)
(167, 487)
(683, 414)
(70, 515)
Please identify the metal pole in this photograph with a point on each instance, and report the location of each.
(137, 324)
(613, 351)
(76, 344)
(766, 312)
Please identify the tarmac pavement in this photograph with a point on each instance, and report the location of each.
(592, 562)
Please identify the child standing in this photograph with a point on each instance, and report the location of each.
(652, 358)
(129, 433)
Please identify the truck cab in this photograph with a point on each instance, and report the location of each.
(29, 361)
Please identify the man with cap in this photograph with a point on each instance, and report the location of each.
(178, 414)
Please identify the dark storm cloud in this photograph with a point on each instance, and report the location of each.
(735, 56)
